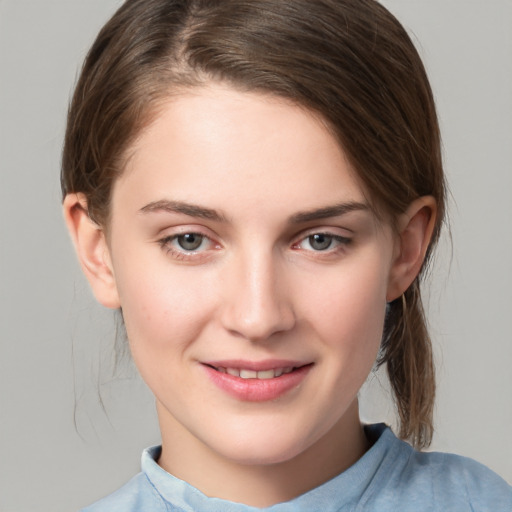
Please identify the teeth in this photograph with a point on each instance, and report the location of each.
(248, 374)
(267, 374)
(251, 374)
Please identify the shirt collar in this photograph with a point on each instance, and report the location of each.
(346, 488)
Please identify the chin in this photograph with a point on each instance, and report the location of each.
(262, 454)
(261, 446)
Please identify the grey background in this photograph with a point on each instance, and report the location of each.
(58, 449)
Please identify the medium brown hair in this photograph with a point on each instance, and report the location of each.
(348, 60)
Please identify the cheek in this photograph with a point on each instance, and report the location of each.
(163, 309)
(349, 308)
(164, 314)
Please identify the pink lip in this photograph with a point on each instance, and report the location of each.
(257, 390)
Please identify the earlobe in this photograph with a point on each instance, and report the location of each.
(92, 250)
(415, 228)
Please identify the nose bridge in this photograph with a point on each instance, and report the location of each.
(257, 305)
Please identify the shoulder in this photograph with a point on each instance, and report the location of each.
(136, 495)
(463, 480)
(438, 481)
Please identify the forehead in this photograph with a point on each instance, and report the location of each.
(217, 146)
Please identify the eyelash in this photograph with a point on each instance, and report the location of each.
(182, 254)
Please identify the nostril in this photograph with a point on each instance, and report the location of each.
(258, 324)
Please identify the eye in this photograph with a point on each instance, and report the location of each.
(188, 245)
(190, 241)
(322, 242)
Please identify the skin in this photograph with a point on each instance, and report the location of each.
(258, 287)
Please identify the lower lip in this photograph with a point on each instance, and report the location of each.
(257, 390)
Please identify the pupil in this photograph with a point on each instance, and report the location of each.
(320, 242)
(190, 241)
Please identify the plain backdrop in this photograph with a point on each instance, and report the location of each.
(71, 430)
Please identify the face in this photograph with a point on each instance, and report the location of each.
(251, 273)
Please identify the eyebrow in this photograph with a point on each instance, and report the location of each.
(328, 211)
(202, 212)
(189, 209)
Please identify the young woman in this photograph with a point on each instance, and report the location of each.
(258, 186)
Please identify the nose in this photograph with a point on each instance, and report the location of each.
(257, 303)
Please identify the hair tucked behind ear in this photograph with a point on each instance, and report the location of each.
(407, 351)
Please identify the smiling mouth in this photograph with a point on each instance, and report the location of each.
(243, 373)
(257, 381)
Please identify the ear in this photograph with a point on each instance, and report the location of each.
(415, 229)
(92, 250)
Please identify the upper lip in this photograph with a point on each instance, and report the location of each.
(257, 366)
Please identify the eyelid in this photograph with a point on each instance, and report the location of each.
(336, 232)
(173, 231)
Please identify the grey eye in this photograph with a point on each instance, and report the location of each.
(320, 241)
(190, 241)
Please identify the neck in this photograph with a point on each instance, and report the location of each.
(261, 485)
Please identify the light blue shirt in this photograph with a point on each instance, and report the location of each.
(391, 476)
